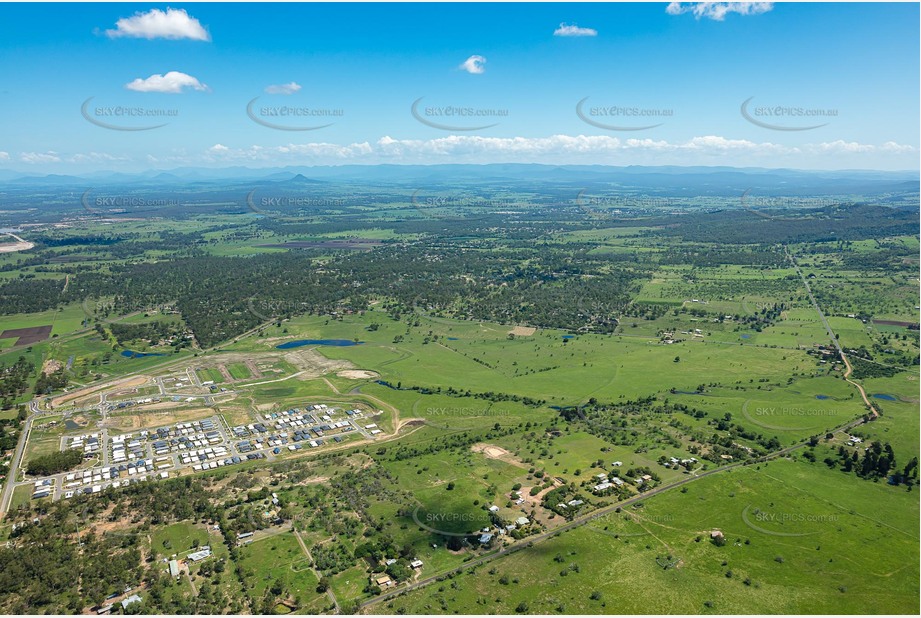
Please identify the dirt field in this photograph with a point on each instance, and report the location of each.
(25, 336)
(85, 392)
(313, 364)
(522, 331)
(490, 450)
(253, 369)
(156, 418)
(358, 374)
(19, 245)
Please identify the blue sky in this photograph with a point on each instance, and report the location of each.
(853, 68)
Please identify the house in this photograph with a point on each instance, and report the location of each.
(416, 564)
(716, 534)
(485, 538)
(617, 463)
(390, 561)
(493, 509)
(132, 599)
(383, 581)
(174, 569)
(522, 521)
(204, 552)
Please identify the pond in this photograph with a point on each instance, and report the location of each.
(132, 354)
(885, 397)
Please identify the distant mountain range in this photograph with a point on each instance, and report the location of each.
(671, 180)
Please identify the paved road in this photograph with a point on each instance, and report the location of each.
(15, 463)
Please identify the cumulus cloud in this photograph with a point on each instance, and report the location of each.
(289, 88)
(475, 147)
(39, 157)
(95, 157)
(157, 24)
(605, 149)
(474, 64)
(574, 30)
(553, 149)
(173, 82)
(4, 156)
(717, 11)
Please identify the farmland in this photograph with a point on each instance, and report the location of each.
(559, 413)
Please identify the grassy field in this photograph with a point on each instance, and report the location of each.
(280, 558)
(796, 538)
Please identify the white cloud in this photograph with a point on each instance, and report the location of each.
(289, 88)
(718, 10)
(4, 156)
(95, 157)
(602, 149)
(173, 82)
(474, 64)
(574, 30)
(156, 24)
(39, 157)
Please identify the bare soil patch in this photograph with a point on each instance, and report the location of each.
(84, 392)
(51, 365)
(358, 374)
(522, 331)
(26, 336)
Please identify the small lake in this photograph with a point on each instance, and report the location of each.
(822, 397)
(746, 336)
(569, 336)
(339, 343)
(453, 339)
(132, 354)
(884, 397)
